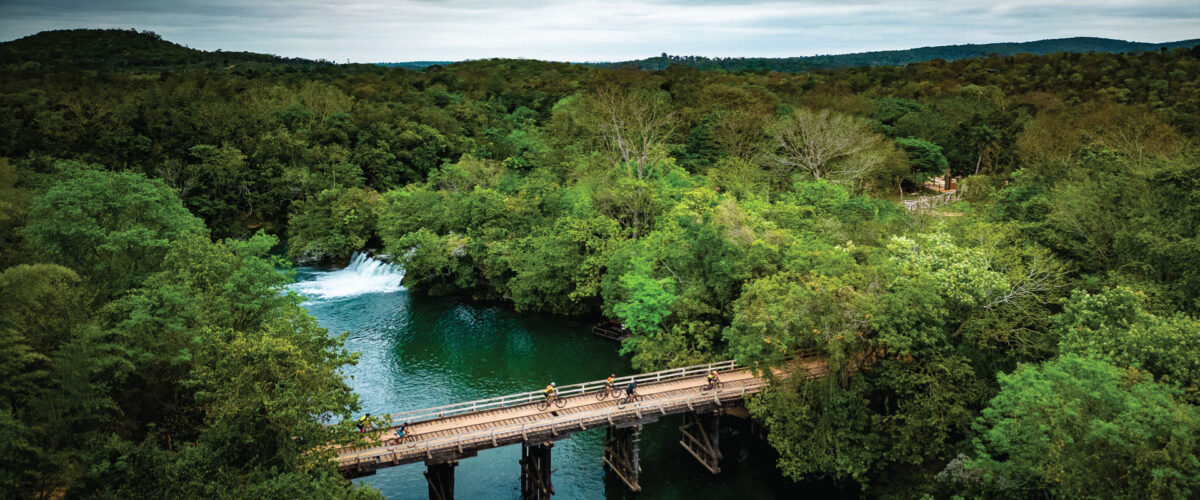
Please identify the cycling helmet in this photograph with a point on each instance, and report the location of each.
(552, 384)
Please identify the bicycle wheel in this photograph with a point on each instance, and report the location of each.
(542, 405)
(601, 394)
(393, 441)
(560, 402)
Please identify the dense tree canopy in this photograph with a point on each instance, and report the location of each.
(1037, 338)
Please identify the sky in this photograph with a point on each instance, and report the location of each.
(600, 30)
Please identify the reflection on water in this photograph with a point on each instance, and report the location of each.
(418, 352)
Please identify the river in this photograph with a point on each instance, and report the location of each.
(418, 352)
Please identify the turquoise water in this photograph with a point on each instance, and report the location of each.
(418, 352)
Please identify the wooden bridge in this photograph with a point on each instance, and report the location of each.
(443, 435)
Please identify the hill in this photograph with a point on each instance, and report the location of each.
(899, 57)
(129, 50)
(415, 65)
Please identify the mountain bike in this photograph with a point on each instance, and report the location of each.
(630, 398)
(407, 438)
(556, 401)
(607, 391)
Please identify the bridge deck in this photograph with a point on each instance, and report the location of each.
(450, 433)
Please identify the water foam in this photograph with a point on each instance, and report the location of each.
(364, 275)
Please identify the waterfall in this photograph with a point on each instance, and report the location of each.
(364, 275)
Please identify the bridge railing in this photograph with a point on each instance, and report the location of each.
(563, 391)
(648, 407)
(640, 409)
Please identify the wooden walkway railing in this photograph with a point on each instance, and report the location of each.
(611, 331)
(563, 391)
(488, 423)
(932, 202)
(554, 426)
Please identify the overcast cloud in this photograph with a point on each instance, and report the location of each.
(598, 30)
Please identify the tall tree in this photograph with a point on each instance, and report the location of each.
(633, 123)
(828, 145)
(111, 227)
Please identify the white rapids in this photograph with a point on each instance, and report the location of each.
(364, 275)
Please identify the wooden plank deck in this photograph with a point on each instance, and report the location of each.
(460, 435)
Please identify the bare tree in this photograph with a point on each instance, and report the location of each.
(828, 145)
(633, 123)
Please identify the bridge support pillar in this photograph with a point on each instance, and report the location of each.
(535, 471)
(701, 434)
(622, 455)
(440, 477)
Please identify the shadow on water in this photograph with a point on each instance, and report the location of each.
(418, 352)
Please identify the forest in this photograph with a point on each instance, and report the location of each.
(897, 57)
(1038, 337)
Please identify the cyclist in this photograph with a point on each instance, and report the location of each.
(608, 382)
(551, 392)
(401, 430)
(713, 379)
(363, 423)
(629, 389)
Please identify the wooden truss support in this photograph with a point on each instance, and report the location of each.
(535, 471)
(701, 433)
(440, 477)
(622, 455)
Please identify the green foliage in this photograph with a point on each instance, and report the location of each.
(664, 199)
(925, 157)
(42, 298)
(561, 270)
(1115, 326)
(127, 50)
(1077, 427)
(896, 57)
(112, 228)
(649, 302)
(905, 333)
(14, 204)
(437, 264)
(195, 376)
(333, 224)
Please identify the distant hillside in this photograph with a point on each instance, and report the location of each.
(899, 57)
(129, 50)
(416, 65)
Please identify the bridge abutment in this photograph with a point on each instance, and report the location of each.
(440, 477)
(701, 437)
(535, 471)
(622, 454)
